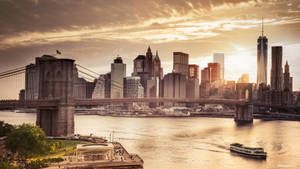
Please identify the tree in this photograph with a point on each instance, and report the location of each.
(27, 141)
(5, 128)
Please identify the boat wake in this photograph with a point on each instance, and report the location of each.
(206, 149)
(198, 134)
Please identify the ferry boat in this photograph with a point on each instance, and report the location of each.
(257, 153)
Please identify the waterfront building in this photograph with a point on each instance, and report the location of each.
(192, 88)
(175, 85)
(31, 82)
(107, 78)
(147, 67)
(139, 69)
(214, 71)
(262, 58)
(194, 71)
(219, 58)
(287, 95)
(102, 87)
(229, 89)
(288, 80)
(153, 87)
(204, 90)
(133, 87)
(22, 95)
(90, 86)
(181, 63)
(244, 78)
(98, 155)
(276, 69)
(99, 91)
(264, 94)
(149, 62)
(205, 75)
(118, 72)
(157, 69)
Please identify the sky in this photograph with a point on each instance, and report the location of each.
(94, 32)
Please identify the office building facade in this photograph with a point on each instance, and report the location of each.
(219, 58)
(118, 73)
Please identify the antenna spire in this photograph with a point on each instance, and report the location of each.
(262, 26)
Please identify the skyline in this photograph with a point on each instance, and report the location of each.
(199, 29)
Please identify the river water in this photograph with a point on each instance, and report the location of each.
(191, 143)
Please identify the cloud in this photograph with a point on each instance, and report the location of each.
(94, 32)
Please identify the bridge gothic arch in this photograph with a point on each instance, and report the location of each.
(244, 91)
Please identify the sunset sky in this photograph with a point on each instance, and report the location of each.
(94, 32)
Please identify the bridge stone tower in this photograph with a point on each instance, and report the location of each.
(56, 83)
(244, 112)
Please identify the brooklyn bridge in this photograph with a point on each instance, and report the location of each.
(56, 103)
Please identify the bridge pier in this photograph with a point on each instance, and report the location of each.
(244, 114)
(56, 82)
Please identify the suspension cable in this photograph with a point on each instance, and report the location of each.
(87, 74)
(88, 69)
(13, 70)
(12, 73)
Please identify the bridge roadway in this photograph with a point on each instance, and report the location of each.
(12, 104)
(53, 103)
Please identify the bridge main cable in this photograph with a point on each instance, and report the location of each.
(12, 70)
(12, 73)
(88, 69)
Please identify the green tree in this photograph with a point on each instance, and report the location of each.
(5, 128)
(27, 141)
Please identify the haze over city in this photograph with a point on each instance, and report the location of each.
(95, 32)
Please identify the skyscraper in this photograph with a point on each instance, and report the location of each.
(118, 72)
(215, 71)
(181, 63)
(133, 87)
(219, 58)
(157, 69)
(276, 69)
(205, 75)
(148, 68)
(262, 58)
(175, 85)
(288, 80)
(194, 71)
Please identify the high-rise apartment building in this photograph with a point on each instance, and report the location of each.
(219, 58)
(181, 63)
(118, 73)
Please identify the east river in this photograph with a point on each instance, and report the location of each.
(191, 143)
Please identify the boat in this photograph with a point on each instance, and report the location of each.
(257, 153)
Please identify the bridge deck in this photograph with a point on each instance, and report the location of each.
(53, 104)
(11, 104)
